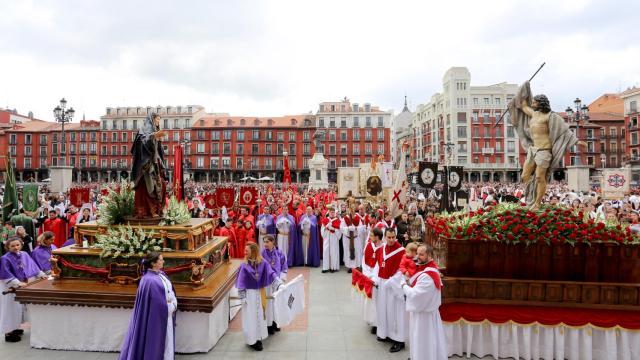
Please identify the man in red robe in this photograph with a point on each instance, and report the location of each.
(229, 231)
(390, 306)
(57, 225)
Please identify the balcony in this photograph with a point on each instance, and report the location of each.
(488, 151)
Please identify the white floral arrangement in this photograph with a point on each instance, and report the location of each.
(126, 242)
(176, 213)
(117, 204)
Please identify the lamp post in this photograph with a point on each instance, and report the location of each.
(581, 113)
(63, 115)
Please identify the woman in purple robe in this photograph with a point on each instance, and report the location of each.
(278, 262)
(288, 240)
(152, 329)
(254, 276)
(42, 253)
(16, 270)
(309, 238)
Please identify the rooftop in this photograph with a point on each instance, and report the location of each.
(287, 121)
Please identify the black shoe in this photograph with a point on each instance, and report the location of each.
(332, 271)
(271, 330)
(374, 330)
(381, 339)
(12, 338)
(397, 347)
(276, 328)
(17, 332)
(257, 346)
(350, 271)
(325, 271)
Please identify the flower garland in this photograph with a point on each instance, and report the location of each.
(513, 223)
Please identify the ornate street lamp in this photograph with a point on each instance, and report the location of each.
(581, 113)
(63, 115)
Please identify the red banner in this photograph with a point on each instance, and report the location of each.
(210, 201)
(225, 197)
(287, 173)
(178, 183)
(79, 196)
(248, 195)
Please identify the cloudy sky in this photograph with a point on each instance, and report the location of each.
(270, 58)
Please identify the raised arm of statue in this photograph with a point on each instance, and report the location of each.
(526, 108)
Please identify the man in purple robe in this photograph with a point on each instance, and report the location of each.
(16, 270)
(151, 331)
(42, 253)
(308, 233)
(288, 239)
(266, 225)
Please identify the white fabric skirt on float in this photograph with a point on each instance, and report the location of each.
(103, 329)
(533, 342)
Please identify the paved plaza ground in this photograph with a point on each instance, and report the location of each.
(330, 329)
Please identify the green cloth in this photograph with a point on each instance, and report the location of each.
(10, 199)
(30, 197)
(26, 222)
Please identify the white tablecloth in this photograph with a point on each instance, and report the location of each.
(511, 340)
(102, 329)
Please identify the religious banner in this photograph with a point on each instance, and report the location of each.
(400, 188)
(348, 181)
(456, 175)
(287, 197)
(79, 196)
(386, 175)
(615, 183)
(427, 174)
(248, 195)
(225, 197)
(178, 181)
(288, 301)
(30, 197)
(210, 201)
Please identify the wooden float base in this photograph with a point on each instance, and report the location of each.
(592, 295)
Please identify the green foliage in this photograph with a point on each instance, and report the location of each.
(125, 242)
(117, 204)
(176, 213)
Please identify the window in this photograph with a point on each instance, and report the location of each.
(356, 121)
(104, 125)
(305, 136)
(227, 135)
(380, 121)
(200, 148)
(269, 135)
(114, 150)
(343, 122)
(487, 132)
(476, 131)
(356, 162)
(268, 163)
(123, 149)
(254, 163)
(239, 163)
(486, 101)
(215, 135)
(114, 137)
(43, 139)
(267, 149)
(367, 135)
(226, 148)
(200, 135)
(176, 124)
(380, 135)
(255, 135)
(476, 146)
(239, 149)
(165, 124)
(292, 136)
(485, 117)
(367, 149)
(343, 149)
(332, 135)
(511, 146)
(332, 149)
(332, 163)
(73, 149)
(496, 101)
(356, 149)
(124, 137)
(104, 137)
(321, 122)
(292, 149)
(176, 136)
(462, 160)
(633, 106)
(280, 136)
(134, 124)
(226, 163)
(240, 135)
(380, 148)
(254, 149)
(367, 121)
(214, 163)
(462, 131)
(634, 138)
(332, 122)
(510, 131)
(462, 147)
(498, 132)
(187, 123)
(305, 149)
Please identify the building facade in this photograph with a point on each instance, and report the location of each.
(354, 133)
(631, 98)
(227, 148)
(403, 133)
(458, 127)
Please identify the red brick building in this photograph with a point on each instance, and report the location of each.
(225, 148)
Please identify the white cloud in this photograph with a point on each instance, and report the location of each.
(283, 57)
